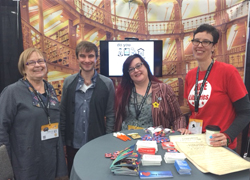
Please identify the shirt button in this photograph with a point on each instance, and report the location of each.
(85, 100)
(83, 110)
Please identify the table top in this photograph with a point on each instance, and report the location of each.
(90, 162)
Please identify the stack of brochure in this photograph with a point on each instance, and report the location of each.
(127, 162)
(146, 144)
(170, 157)
(146, 151)
(151, 160)
(167, 145)
(182, 167)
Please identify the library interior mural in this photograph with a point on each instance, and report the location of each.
(56, 26)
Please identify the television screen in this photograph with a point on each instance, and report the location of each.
(114, 53)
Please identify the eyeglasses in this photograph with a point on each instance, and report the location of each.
(33, 62)
(203, 43)
(137, 66)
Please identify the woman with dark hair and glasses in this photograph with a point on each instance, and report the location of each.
(143, 101)
(29, 122)
(215, 91)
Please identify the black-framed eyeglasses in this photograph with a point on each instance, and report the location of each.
(137, 66)
(33, 62)
(205, 43)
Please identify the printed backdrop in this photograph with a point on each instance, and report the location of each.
(56, 26)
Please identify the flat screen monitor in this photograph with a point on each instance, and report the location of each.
(114, 53)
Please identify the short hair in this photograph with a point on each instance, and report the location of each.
(24, 57)
(209, 29)
(87, 47)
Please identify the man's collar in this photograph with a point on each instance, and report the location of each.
(93, 77)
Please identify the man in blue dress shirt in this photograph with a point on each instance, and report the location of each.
(87, 104)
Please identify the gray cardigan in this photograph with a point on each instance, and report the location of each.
(101, 115)
(20, 131)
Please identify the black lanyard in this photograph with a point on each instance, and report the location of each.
(197, 98)
(138, 109)
(41, 102)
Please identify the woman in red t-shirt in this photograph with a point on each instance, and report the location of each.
(215, 91)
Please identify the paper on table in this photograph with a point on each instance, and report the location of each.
(189, 138)
(217, 160)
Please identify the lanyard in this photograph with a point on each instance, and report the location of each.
(197, 98)
(138, 109)
(41, 102)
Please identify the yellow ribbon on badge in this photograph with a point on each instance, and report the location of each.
(156, 104)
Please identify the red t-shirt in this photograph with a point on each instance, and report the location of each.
(223, 87)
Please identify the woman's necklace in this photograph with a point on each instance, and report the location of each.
(139, 108)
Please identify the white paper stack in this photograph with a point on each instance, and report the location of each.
(170, 157)
(146, 144)
(151, 160)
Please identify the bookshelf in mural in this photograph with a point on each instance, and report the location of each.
(56, 27)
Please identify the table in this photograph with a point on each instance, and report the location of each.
(91, 164)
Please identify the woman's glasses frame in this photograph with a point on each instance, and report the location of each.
(204, 43)
(33, 62)
(137, 66)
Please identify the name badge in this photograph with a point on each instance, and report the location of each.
(49, 131)
(195, 126)
(134, 127)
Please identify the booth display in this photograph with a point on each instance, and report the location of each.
(114, 53)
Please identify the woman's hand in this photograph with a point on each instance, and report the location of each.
(218, 140)
(184, 131)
